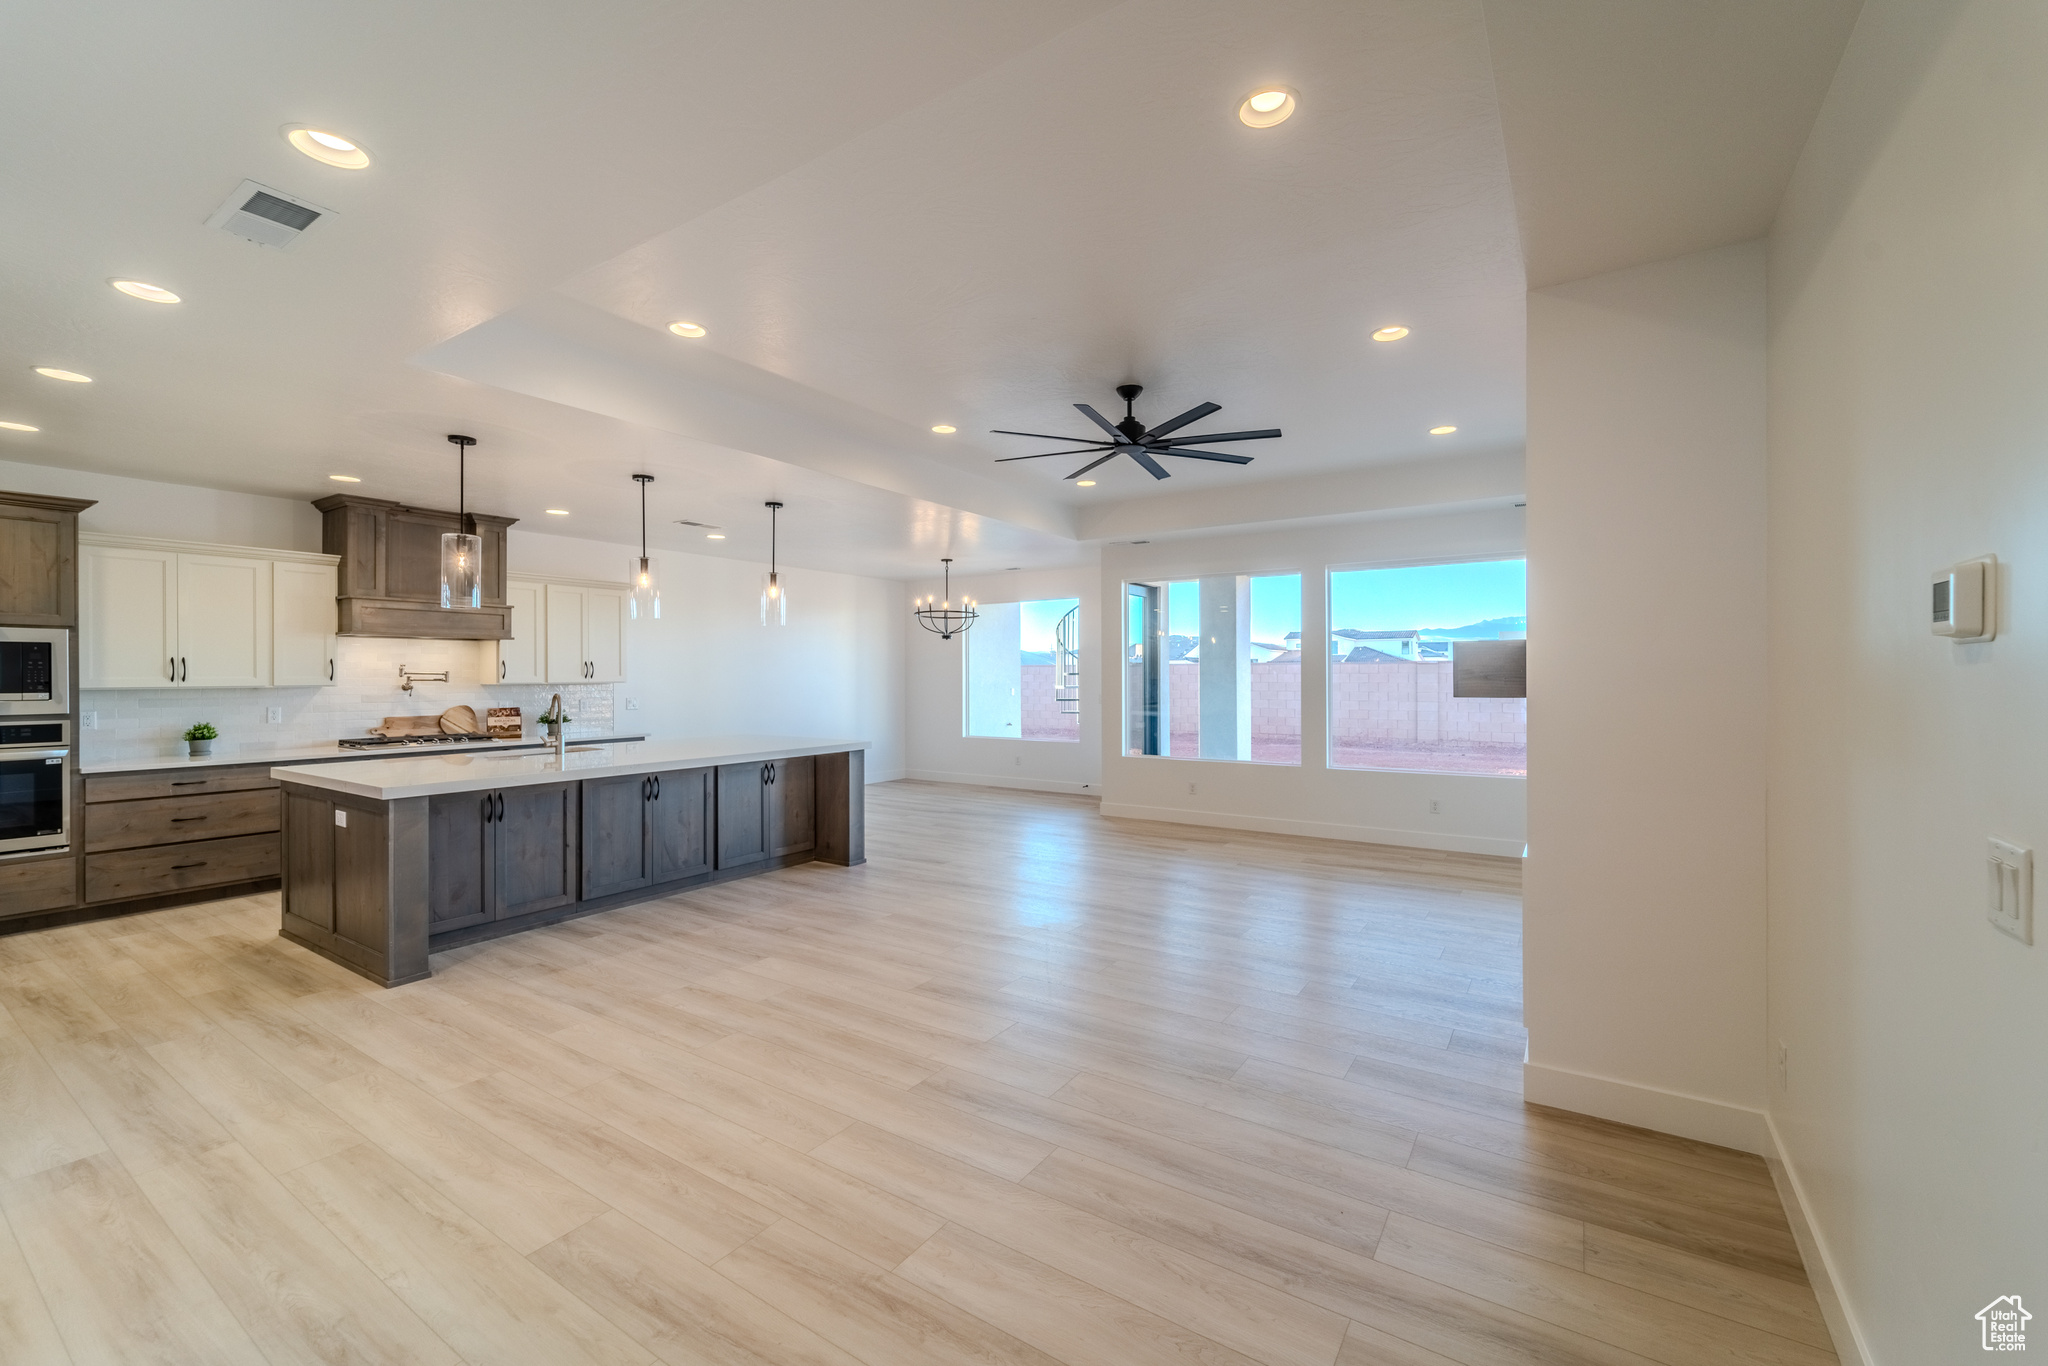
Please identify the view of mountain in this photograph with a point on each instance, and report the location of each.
(1490, 629)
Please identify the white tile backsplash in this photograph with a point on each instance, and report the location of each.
(147, 723)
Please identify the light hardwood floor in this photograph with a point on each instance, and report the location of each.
(1029, 1087)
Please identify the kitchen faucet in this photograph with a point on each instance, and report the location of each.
(561, 729)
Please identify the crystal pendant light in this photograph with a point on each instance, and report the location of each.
(774, 595)
(462, 550)
(646, 600)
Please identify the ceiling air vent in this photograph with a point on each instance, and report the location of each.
(267, 217)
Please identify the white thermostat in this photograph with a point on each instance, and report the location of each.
(1964, 600)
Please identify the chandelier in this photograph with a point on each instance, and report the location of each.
(942, 618)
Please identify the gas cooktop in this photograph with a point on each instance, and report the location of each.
(385, 741)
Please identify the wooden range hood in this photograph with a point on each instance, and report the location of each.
(391, 570)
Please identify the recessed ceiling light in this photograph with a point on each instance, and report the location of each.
(329, 148)
(1390, 334)
(1084, 484)
(714, 535)
(1441, 431)
(344, 479)
(945, 429)
(136, 289)
(19, 427)
(1266, 106)
(558, 512)
(72, 376)
(686, 329)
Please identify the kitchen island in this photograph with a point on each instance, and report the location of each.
(388, 860)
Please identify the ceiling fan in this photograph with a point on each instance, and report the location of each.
(1130, 437)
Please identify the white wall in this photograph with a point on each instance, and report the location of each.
(707, 667)
(1909, 416)
(1477, 813)
(1643, 921)
(939, 750)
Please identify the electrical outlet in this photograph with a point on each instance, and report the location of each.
(276, 716)
(90, 720)
(2009, 899)
(1436, 806)
(1017, 761)
(1191, 789)
(1784, 1066)
(632, 704)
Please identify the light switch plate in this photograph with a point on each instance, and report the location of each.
(2009, 900)
(340, 817)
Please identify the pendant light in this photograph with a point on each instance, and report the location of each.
(462, 550)
(774, 596)
(646, 602)
(942, 618)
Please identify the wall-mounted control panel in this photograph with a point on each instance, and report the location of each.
(1965, 600)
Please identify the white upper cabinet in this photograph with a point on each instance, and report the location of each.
(524, 658)
(566, 660)
(604, 635)
(303, 620)
(169, 614)
(127, 617)
(224, 606)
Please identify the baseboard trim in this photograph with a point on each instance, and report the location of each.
(1649, 1107)
(1813, 1250)
(875, 775)
(1325, 830)
(920, 775)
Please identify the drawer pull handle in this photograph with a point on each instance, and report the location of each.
(180, 820)
(178, 866)
(191, 782)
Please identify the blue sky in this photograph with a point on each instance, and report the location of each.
(1441, 595)
(1036, 621)
(1276, 607)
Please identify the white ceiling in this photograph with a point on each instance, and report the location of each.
(889, 215)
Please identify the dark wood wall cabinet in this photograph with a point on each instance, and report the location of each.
(391, 570)
(39, 559)
(377, 885)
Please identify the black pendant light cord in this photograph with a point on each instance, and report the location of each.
(463, 523)
(643, 480)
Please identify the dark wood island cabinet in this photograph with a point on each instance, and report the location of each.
(386, 862)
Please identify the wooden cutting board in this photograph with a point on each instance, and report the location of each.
(409, 725)
(460, 721)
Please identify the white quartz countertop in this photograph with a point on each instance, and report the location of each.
(431, 775)
(329, 752)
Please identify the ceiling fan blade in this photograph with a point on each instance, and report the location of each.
(1085, 450)
(1174, 424)
(1091, 465)
(1216, 436)
(1213, 455)
(1048, 436)
(1099, 420)
(1152, 467)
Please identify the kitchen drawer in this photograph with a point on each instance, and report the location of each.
(43, 885)
(176, 782)
(174, 867)
(167, 820)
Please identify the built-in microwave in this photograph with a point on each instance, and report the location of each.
(35, 671)
(35, 786)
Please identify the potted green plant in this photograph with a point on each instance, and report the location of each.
(199, 739)
(552, 720)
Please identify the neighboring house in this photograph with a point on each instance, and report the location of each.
(1397, 644)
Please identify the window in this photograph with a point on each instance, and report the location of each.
(1395, 636)
(1212, 668)
(1024, 670)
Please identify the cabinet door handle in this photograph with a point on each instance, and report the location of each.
(501, 806)
(178, 867)
(174, 668)
(184, 669)
(657, 787)
(487, 808)
(330, 671)
(501, 671)
(180, 820)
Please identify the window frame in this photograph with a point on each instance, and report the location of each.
(1161, 581)
(1080, 691)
